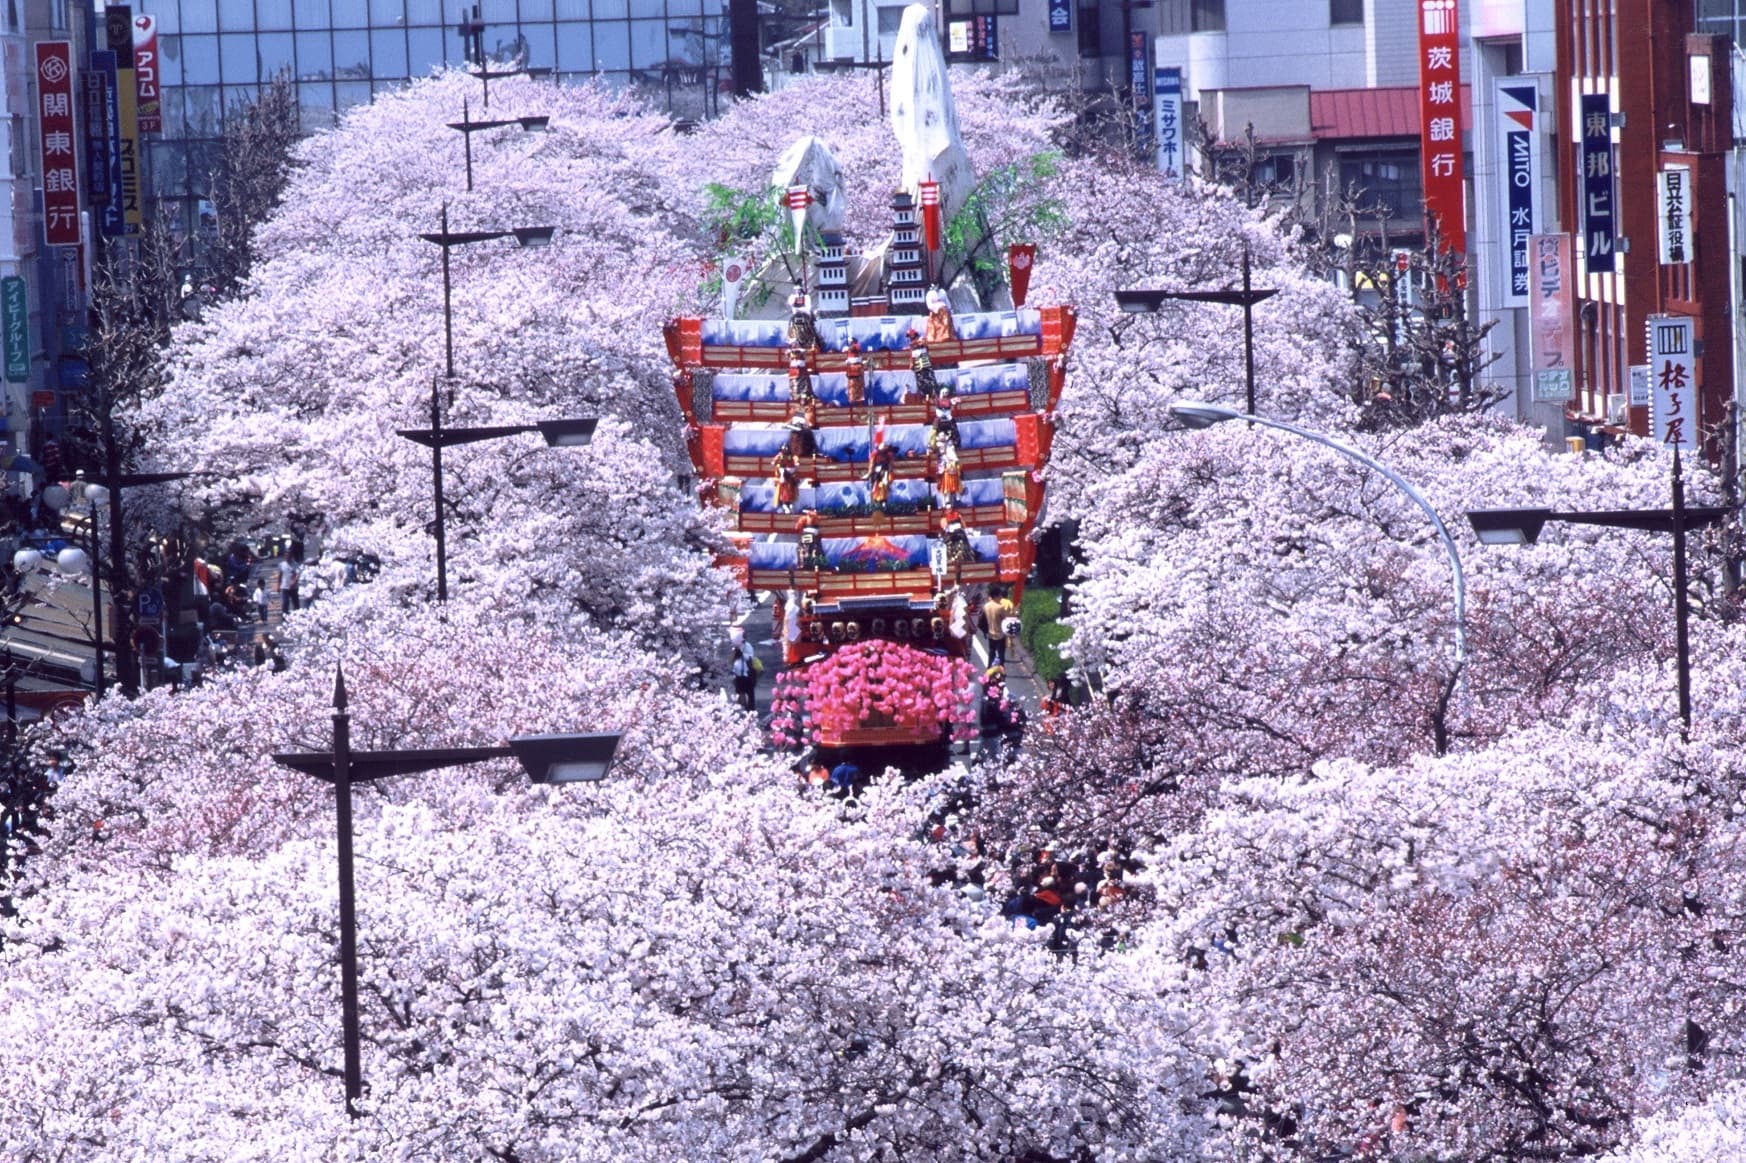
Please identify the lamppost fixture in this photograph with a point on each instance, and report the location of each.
(471, 30)
(525, 236)
(1522, 527)
(468, 127)
(1199, 415)
(75, 560)
(554, 759)
(1141, 302)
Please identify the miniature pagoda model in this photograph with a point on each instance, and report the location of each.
(881, 471)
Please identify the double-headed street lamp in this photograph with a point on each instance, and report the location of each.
(568, 433)
(468, 127)
(1141, 302)
(553, 759)
(527, 236)
(472, 33)
(1522, 527)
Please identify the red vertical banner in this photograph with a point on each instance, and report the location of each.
(145, 73)
(60, 156)
(1440, 122)
(930, 204)
(1019, 257)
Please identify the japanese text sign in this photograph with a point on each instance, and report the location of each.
(1060, 15)
(1597, 180)
(60, 158)
(1672, 381)
(145, 72)
(1517, 104)
(1553, 286)
(1167, 115)
(1673, 207)
(1440, 121)
(15, 313)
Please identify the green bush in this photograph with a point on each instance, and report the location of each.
(1045, 648)
(1040, 607)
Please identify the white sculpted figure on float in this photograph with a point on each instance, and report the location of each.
(809, 161)
(923, 116)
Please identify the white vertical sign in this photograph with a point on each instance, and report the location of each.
(1672, 381)
(1673, 211)
(1167, 116)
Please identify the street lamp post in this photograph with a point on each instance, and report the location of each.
(526, 236)
(1139, 302)
(472, 33)
(1197, 415)
(468, 127)
(1522, 527)
(568, 433)
(552, 759)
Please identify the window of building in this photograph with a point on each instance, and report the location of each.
(982, 8)
(1345, 12)
(1090, 32)
(1207, 16)
(1387, 183)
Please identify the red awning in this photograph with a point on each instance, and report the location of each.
(1345, 114)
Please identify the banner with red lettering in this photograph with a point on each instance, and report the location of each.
(1440, 122)
(60, 156)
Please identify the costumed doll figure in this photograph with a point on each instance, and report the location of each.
(811, 555)
(922, 365)
(945, 418)
(956, 538)
(951, 473)
(855, 373)
(802, 328)
(787, 480)
(801, 437)
(799, 377)
(879, 476)
(940, 328)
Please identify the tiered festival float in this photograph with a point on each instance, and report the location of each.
(882, 457)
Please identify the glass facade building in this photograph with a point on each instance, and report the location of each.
(214, 55)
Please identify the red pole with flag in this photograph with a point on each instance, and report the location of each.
(930, 204)
(797, 198)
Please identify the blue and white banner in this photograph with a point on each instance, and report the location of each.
(1596, 159)
(1060, 15)
(1167, 117)
(1517, 108)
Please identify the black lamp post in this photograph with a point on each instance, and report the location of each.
(1140, 302)
(1522, 526)
(527, 236)
(546, 758)
(468, 127)
(471, 30)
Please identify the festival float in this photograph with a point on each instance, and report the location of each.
(879, 441)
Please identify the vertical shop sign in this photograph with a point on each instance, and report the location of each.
(118, 33)
(60, 157)
(1517, 104)
(1597, 181)
(1672, 381)
(1167, 113)
(145, 73)
(1673, 209)
(1440, 122)
(15, 314)
(1554, 306)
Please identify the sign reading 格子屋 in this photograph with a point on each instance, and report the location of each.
(1673, 381)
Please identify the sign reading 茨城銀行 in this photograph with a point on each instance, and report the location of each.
(1440, 122)
(15, 316)
(1673, 414)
